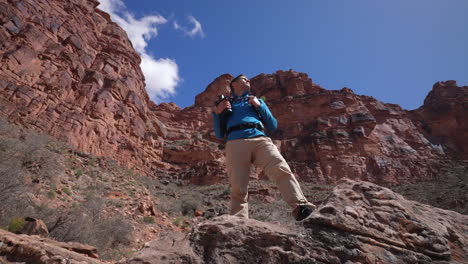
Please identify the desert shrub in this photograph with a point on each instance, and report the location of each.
(25, 158)
(449, 192)
(28, 158)
(180, 222)
(51, 194)
(148, 219)
(115, 203)
(92, 161)
(16, 224)
(78, 173)
(67, 191)
(190, 203)
(85, 223)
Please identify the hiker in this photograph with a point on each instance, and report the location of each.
(241, 120)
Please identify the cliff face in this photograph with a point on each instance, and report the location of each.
(444, 117)
(338, 134)
(328, 135)
(69, 71)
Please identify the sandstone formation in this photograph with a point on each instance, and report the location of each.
(68, 70)
(327, 135)
(32, 249)
(359, 223)
(444, 117)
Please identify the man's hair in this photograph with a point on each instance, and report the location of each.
(235, 80)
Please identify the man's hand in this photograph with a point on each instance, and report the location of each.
(253, 100)
(221, 106)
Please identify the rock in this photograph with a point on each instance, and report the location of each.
(199, 213)
(171, 247)
(359, 222)
(32, 249)
(444, 117)
(146, 208)
(34, 226)
(220, 86)
(380, 218)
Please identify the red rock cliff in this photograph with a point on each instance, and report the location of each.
(69, 71)
(444, 117)
(328, 135)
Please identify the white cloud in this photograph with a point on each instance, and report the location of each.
(161, 75)
(196, 30)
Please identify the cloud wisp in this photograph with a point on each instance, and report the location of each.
(196, 30)
(161, 75)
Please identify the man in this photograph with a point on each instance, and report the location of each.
(247, 143)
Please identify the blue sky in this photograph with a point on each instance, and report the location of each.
(393, 50)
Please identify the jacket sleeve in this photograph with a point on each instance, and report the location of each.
(219, 126)
(267, 117)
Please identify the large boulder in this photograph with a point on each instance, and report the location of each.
(32, 249)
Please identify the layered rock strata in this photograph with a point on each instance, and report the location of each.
(69, 71)
(327, 135)
(444, 117)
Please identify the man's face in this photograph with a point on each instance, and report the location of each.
(241, 85)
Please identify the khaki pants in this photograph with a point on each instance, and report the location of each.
(240, 154)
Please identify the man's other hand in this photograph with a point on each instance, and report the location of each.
(221, 106)
(253, 100)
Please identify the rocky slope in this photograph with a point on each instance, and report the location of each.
(68, 70)
(359, 223)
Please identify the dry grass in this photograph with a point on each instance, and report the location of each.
(449, 192)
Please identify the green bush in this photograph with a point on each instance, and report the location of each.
(92, 161)
(78, 173)
(16, 224)
(148, 219)
(67, 191)
(178, 221)
(51, 194)
(189, 204)
(116, 203)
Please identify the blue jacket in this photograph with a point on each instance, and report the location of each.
(243, 112)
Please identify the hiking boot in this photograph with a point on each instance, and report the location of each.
(302, 212)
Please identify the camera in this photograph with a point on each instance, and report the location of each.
(221, 98)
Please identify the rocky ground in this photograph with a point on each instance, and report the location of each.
(359, 222)
(92, 200)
